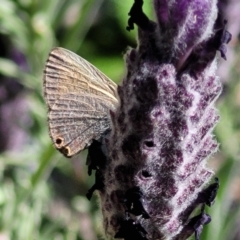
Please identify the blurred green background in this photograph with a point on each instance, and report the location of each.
(42, 194)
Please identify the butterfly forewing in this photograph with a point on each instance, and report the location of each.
(79, 98)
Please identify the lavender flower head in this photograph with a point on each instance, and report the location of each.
(161, 137)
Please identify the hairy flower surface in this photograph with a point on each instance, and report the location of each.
(162, 129)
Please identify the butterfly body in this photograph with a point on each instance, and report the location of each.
(79, 99)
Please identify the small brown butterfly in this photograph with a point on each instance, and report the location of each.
(79, 99)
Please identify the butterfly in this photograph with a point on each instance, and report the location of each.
(79, 98)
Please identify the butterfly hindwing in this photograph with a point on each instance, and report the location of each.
(79, 98)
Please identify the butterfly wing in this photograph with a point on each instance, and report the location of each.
(79, 98)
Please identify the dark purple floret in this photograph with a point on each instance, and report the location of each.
(133, 202)
(129, 230)
(195, 225)
(98, 185)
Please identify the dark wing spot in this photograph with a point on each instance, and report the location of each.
(65, 151)
(59, 141)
